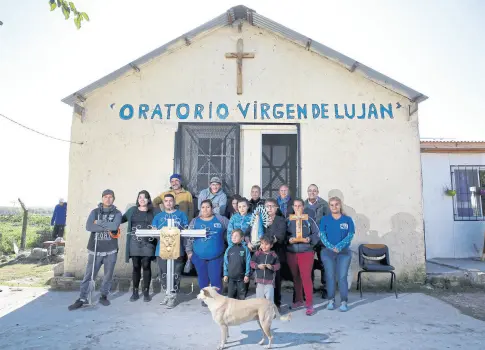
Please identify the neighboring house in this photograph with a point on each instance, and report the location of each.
(454, 224)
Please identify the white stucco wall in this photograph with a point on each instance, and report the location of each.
(445, 237)
(374, 165)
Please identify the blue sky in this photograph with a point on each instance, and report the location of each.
(433, 46)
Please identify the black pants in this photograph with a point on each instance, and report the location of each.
(178, 268)
(140, 262)
(236, 289)
(58, 231)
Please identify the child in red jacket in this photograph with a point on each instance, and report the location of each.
(265, 262)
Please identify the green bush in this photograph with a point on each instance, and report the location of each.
(11, 230)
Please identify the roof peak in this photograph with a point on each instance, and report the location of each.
(242, 12)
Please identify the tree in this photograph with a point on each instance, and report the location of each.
(67, 8)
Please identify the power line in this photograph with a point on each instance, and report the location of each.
(38, 132)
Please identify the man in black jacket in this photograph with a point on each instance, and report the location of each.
(103, 223)
(256, 199)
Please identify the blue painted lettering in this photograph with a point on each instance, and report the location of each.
(372, 111)
(301, 110)
(157, 111)
(244, 111)
(255, 109)
(169, 108)
(142, 110)
(350, 116)
(222, 115)
(387, 110)
(315, 111)
(362, 116)
(278, 114)
(324, 110)
(337, 116)
(290, 111)
(125, 116)
(184, 115)
(264, 110)
(210, 110)
(198, 111)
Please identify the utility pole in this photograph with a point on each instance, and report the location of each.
(24, 225)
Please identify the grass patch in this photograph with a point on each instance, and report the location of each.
(26, 275)
(38, 228)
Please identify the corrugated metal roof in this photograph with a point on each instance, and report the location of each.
(440, 140)
(244, 13)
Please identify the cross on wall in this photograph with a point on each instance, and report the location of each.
(239, 55)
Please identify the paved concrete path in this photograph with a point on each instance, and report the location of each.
(34, 318)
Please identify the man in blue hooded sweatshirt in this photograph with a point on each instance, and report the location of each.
(216, 195)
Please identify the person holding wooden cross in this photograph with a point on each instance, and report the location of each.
(303, 235)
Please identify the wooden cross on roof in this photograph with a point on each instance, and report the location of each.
(239, 55)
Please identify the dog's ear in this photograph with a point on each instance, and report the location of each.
(207, 294)
(216, 288)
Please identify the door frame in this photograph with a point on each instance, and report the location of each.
(177, 161)
(284, 129)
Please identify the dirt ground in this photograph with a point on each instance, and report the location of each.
(26, 274)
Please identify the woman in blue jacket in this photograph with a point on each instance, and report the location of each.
(207, 254)
(336, 233)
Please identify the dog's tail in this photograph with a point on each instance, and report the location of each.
(277, 314)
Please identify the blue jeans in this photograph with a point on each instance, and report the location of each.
(208, 271)
(336, 265)
(109, 262)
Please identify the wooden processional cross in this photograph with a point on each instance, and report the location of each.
(239, 55)
(298, 218)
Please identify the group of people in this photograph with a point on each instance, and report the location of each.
(227, 252)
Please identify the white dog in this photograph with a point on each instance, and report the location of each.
(230, 312)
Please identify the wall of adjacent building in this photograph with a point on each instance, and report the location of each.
(445, 237)
(372, 164)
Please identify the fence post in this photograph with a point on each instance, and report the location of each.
(24, 225)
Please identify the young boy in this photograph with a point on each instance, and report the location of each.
(236, 266)
(266, 263)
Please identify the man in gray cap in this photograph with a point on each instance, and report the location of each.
(103, 223)
(215, 194)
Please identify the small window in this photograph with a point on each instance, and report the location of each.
(469, 184)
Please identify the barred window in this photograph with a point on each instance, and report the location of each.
(468, 182)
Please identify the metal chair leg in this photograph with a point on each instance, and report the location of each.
(392, 273)
(358, 281)
(360, 285)
(395, 284)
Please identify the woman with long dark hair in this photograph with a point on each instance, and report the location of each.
(141, 251)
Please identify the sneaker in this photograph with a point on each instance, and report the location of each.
(77, 304)
(343, 306)
(331, 305)
(135, 296)
(103, 300)
(324, 294)
(297, 305)
(164, 300)
(310, 311)
(172, 300)
(146, 295)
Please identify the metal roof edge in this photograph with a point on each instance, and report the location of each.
(245, 13)
(215, 23)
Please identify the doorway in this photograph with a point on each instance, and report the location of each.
(279, 164)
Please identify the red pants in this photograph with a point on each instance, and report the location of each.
(301, 265)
